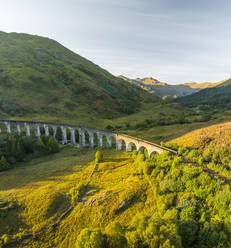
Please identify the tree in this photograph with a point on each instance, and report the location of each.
(98, 156)
(90, 239)
(115, 235)
(4, 165)
(52, 145)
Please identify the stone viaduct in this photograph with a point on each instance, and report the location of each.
(86, 136)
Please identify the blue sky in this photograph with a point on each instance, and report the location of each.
(171, 40)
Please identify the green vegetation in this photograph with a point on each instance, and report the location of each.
(77, 193)
(41, 78)
(16, 148)
(98, 156)
(211, 100)
(61, 196)
(131, 201)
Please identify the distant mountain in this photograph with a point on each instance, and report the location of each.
(150, 81)
(218, 96)
(204, 85)
(167, 91)
(39, 76)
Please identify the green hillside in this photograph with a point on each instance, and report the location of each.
(40, 77)
(218, 97)
(131, 201)
(167, 91)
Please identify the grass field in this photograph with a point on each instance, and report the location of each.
(40, 189)
(218, 134)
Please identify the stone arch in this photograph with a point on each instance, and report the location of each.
(77, 136)
(99, 139)
(71, 135)
(16, 128)
(104, 140)
(113, 141)
(130, 146)
(96, 140)
(85, 137)
(37, 129)
(2, 128)
(144, 150)
(58, 134)
(141, 149)
(68, 131)
(152, 153)
(109, 140)
(90, 138)
(120, 145)
(42, 129)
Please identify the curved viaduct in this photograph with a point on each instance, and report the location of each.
(30, 127)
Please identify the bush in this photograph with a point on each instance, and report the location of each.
(98, 156)
(5, 239)
(90, 239)
(40, 146)
(4, 165)
(52, 145)
(188, 231)
(188, 214)
(77, 192)
(115, 235)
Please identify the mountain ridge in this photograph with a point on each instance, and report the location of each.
(215, 96)
(168, 91)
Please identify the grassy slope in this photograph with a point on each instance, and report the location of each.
(40, 189)
(38, 76)
(219, 134)
(216, 97)
(41, 195)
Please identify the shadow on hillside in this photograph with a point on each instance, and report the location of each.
(44, 169)
(48, 168)
(58, 204)
(10, 221)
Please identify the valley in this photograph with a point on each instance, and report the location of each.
(91, 160)
(168, 91)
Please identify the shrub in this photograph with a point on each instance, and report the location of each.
(115, 235)
(169, 185)
(52, 145)
(4, 165)
(188, 231)
(188, 214)
(28, 144)
(77, 192)
(5, 239)
(193, 155)
(40, 146)
(90, 239)
(98, 156)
